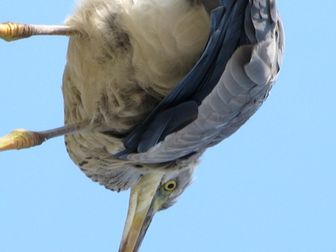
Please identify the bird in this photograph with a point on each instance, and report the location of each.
(149, 85)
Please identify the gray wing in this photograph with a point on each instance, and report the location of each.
(180, 106)
(243, 86)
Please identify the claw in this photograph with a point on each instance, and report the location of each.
(20, 139)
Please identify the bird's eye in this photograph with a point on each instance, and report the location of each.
(170, 186)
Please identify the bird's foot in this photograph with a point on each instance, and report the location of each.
(20, 139)
(14, 31)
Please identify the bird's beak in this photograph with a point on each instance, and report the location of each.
(142, 207)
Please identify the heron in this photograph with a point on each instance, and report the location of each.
(149, 85)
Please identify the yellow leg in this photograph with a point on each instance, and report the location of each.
(20, 139)
(14, 31)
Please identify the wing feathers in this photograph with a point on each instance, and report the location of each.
(243, 86)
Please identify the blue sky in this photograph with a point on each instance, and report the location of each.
(269, 188)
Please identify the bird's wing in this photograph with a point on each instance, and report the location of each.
(227, 85)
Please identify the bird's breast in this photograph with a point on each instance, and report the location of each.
(129, 56)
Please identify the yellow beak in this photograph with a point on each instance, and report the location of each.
(142, 207)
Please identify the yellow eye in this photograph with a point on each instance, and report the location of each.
(170, 186)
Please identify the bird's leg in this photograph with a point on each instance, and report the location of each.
(21, 138)
(13, 31)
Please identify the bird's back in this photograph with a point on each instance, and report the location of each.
(130, 55)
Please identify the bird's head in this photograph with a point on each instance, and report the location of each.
(154, 192)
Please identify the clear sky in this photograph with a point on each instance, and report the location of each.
(269, 188)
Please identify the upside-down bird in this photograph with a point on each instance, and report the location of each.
(149, 85)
